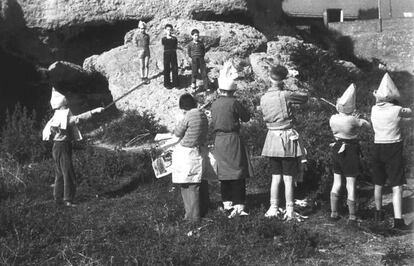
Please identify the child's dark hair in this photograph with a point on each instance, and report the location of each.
(168, 26)
(187, 102)
(278, 72)
(194, 31)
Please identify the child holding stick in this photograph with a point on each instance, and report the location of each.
(63, 130)
(346, 151)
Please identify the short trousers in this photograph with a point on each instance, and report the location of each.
(284, 165)
(347, 162)
(388, 164)
(144, 53)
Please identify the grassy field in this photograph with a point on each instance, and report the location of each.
(143, 225)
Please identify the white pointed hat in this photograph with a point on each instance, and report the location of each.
(347, 103)
(57, 99)
(227, 76)
(387, 91)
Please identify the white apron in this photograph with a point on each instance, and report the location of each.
(187, 164)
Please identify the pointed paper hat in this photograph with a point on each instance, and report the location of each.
(142, 24)
(347, 103)
(387, 91)
(57, 99)
(227, 76)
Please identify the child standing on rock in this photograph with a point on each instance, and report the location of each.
(346, 152)
(196, 52)
(233, 164)
(142, 40)
(386, 116)
(170, 58)
(63, 130)
(282, 144)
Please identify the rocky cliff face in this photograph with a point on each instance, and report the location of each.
(71, 30)
(121, 65)
(38, 32)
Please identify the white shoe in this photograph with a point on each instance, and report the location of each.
(292, 215)
(274, 211)
(227, 205)
(238, 210)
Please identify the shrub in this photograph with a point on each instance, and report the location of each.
(21, 138)
(129, 126)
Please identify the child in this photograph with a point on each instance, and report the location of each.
(142, 40)
(196, 52)
(346, 151)
(188, 156)
(170, 58)
(282, 144)
(231, 155)
(62, 128)
(386, 116)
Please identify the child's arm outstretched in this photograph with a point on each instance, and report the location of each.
(75, 119)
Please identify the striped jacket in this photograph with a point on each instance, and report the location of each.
(193, 129)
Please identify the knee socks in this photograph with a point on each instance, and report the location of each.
(352, 209)
(334, 205)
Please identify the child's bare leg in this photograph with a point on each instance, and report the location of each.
(351, 187)
(288, 180)
(274, 190)
(146, 66)
(397, 201)
(336, 186)
(273, 210)
(142, 61)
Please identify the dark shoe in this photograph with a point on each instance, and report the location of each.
(399, 224)
(147, 81)
(334, 219)
(169, 87)
(69, 204)
(379, 216)
(352, 223)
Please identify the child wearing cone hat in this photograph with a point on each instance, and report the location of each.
(346, 151)
(386, 118)
(62, 129)
(233, 163)
(282, 145)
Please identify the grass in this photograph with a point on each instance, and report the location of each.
(145, 228)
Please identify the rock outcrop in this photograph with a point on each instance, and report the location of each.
(121, 65)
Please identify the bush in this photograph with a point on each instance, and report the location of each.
(20, 138)
(131, 125)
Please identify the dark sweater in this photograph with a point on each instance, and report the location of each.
(226, 113)
(170, 44)
(196, 49)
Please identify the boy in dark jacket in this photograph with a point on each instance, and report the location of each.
(170, 58)
(196, 52)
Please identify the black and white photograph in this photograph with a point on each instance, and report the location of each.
(206, 132)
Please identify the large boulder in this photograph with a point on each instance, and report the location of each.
(121, 65)
(84, 89)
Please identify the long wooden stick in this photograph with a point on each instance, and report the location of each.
(328, 102)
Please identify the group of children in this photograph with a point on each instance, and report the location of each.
(285, 150)
(283, 144)
(195, 50)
